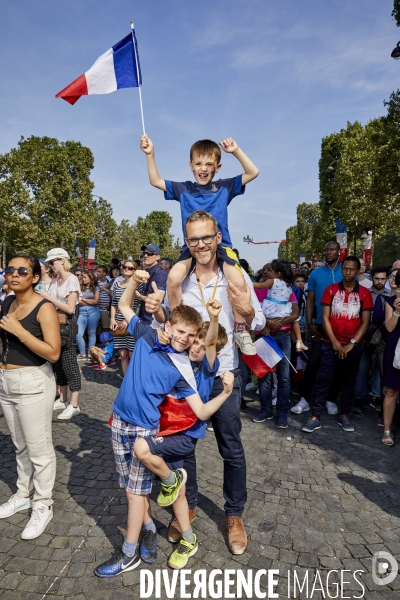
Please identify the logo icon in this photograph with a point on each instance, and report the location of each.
(214, 188)
(384, 568)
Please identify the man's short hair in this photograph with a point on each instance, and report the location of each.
(105, 269)
(353, 259)
(168, 260)
(206, 147)
(379, 269)
(186, 314)
(333, 242)
(222, 338)
(201, 215)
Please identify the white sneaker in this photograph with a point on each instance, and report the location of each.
(209, 426)
(40, 517)
(14, 505)
(58, 405)
(331, 408)
(245, 343)
(68, 413)
(257, 391)
(250, 387)
(300, 407)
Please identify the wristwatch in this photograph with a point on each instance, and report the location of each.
(353, 341)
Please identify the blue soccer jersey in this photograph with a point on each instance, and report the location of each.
(213, 198)
(205, 380)
(150, 376)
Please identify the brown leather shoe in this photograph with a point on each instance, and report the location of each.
(237, 536)
(174, 529)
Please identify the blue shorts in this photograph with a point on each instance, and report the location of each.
(172, 448)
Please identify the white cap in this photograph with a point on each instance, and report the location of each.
(56, 253)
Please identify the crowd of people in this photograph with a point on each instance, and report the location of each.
(184, 335)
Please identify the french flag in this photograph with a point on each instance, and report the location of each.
(341, 238)
(117, 68)
(267, 357)
(91, 252)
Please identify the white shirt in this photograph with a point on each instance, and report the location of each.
(61, 292)
(228, 357)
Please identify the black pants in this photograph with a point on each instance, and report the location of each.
(227, 427)
(343, 370)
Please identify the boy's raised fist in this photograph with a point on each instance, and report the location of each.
(141, 276)
(214, 308)
(229, 145)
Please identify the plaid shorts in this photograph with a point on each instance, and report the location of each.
(131, 473)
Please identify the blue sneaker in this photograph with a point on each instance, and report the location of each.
(311, 425)
(345, 423)
(119, 563)
(148, 546)
(261, 417)
(281, 422)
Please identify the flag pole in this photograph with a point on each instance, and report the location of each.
(290, 363)
(138, 77)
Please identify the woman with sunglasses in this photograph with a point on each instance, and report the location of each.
(30, 337)
(125, 344)
(65, 292)
(88, 312)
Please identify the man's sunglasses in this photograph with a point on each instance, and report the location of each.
(22, 271)
(147, 254)
(206, 239)
(129, 268)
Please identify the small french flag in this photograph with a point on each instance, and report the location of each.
(267, 357)
(117, 68)
(341, 238)
(91, 252)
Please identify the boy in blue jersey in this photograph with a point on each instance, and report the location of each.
(151, 375)
(213, 197)
(161, 454)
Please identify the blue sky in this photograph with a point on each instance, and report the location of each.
(277, 75)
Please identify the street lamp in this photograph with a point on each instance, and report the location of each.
(396, 52)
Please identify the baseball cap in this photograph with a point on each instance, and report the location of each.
(43, 261)
(105, 336)
(57, 253)
(152, 248)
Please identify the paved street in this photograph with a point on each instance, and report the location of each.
(323, 501)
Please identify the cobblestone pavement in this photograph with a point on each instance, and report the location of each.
(315, 502)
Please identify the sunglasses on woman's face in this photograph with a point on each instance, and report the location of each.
(128, 268)
(22, 271)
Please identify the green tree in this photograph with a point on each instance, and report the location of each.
(154, 228)
(386, 248)
(396, 12)
(52, 192)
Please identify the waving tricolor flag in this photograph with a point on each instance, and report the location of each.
(267, 357)
(341, 238)
(117, 68)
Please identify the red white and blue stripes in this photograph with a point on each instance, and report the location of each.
(117, 68)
